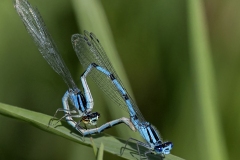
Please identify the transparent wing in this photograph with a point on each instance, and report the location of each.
(89, 50)
(38, 31)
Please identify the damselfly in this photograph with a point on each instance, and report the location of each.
(94, 59)
(82, 101)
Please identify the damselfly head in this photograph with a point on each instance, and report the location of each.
(91, 118)
(94, 118)
(164, 148)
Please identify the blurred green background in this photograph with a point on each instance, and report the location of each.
(159, 46)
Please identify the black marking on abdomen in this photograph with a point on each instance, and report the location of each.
(117, 123)
(135, 117)
(94, 65)
(112, 77)
(105, 128)
(126, 97)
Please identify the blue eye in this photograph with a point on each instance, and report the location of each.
(158, 149)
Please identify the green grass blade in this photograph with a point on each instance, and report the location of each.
(210, 136)
(94, 20)
(93, 146)
(111, 144)
(100, 152)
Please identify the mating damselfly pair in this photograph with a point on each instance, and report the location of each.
(96, 64)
